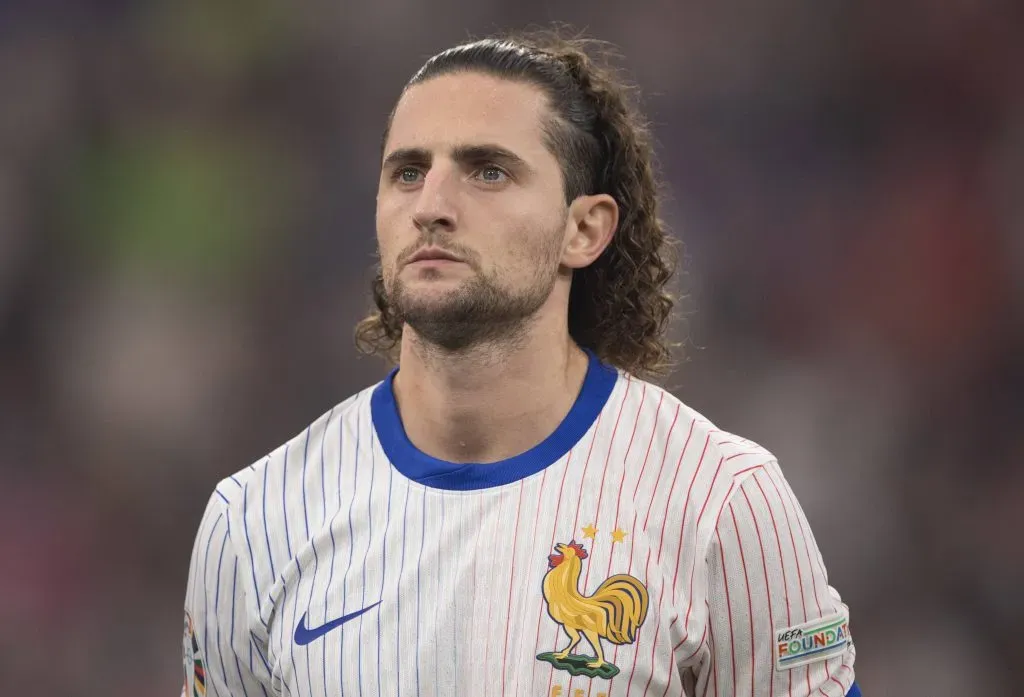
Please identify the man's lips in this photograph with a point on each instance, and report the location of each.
(432, 254)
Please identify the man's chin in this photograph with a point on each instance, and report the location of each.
(434, 314)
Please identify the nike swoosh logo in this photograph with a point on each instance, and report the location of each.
(303, 635)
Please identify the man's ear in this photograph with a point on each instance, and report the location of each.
(591, 224)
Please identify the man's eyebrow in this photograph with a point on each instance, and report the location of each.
(488, 152)
(463, 154)
(406, 156)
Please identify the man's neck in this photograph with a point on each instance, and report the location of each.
(489, 403)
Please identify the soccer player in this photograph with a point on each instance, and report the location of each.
(515, 510)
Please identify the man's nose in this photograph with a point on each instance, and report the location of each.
(436, 206)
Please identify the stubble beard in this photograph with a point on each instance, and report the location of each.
(476, 313)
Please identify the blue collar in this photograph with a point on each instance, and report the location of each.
(439, 474)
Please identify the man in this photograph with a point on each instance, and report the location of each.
(514, 510)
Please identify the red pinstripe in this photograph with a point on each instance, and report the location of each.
(764, 567)
(807, 538)
(712, 664)
(700, 515)
(632, 534)
(661, 541)
(737, 473)
(728, 605)
(554, 529)
(682, 530)
(487, 640)
(640, 476)
(696, 650)
(622, 482)
(661, 469)
(604, 473)
(796, 559)
(583, 477)
(511, 581)
(476, 575)
(576, 523)
(746, 452)
(682, 525)
(675, 665)
(750, 601)
(782, 564)
(654, 644)
(533, 536)
(636, 652)
(833, 679)
(629, 570)
(625, 458)
(842, 690)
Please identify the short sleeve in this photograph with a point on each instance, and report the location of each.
(221, 656)
(775, 626)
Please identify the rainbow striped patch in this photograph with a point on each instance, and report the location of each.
(812, 641)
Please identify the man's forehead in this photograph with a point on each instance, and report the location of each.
(445, 112)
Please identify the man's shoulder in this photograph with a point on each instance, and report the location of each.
(672, 421)
(286, 465)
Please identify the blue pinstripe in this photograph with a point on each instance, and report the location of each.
(231, 635)
(286, 631)
(348, 568)
(330, 524)
(438, 598)
(206, 596)
(266, 531)
(284, 503)
(222, 496)
(398, 596)
(305, 518)
(316, 561)
(366, 554)
(216, 610)
(419, 565)
(305, 459)
(455, 625)
(384, 566)
(259, 652)
(283, 629)
(312, 585)
(252, 557)
(252, 642)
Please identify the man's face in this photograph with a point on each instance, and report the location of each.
(466, 171)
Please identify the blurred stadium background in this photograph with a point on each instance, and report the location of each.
(186, 226)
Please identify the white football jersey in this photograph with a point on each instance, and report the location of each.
(636, 551)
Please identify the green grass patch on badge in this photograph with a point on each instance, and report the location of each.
(576, 664)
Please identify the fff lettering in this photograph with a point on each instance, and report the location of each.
(557, 691)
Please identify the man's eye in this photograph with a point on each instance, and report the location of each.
(407, 175)
(492, 174)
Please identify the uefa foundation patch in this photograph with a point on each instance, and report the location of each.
(812, 641)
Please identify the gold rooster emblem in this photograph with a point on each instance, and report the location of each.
(613, 612)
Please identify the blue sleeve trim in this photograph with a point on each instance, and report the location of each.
(854, 691)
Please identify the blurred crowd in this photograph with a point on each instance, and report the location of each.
(186, 236)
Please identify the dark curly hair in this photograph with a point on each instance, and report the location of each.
(619, 306)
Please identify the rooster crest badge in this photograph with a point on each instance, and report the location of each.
(613, 612)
